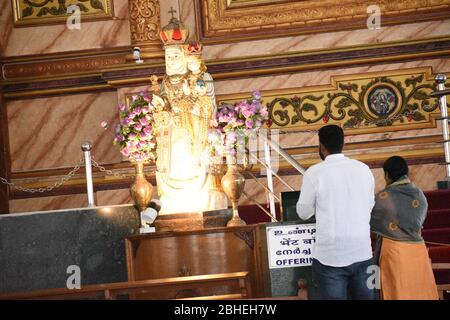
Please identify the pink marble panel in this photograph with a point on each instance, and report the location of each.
(47, 133)
(18, 41)
(318, 78)
(330, 40)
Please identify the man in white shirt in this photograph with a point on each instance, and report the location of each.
(340, 192)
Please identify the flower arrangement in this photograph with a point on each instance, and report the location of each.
(235, 124)
(134, 134)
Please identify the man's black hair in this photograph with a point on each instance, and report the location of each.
(395, 167)
(332, 138)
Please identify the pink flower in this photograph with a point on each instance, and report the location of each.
(143, 121)
(121, 107)
(249, 123)
(214, 123)
(148, 131)
(128, 121)
(248, 110)
(125, 152)
(138, 127)
(104, 125)
(264, 112)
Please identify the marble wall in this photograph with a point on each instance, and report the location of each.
(101, 34)
(47, 133)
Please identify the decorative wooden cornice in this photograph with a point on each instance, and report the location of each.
(133, 75)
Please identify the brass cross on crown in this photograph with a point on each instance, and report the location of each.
(172, 12)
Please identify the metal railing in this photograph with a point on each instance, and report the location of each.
(441, 94)
(269, 146)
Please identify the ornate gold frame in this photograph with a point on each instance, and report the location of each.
(18, 7)
(221, 21)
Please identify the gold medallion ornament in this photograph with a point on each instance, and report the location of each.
(393, 226)
(383, 195)
(415, 203)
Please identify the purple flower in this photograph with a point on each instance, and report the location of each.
(256, 94)
(248, 110)
(127, 121)
(143, 122)
(119, 137)
(121, 107)
(249, 123)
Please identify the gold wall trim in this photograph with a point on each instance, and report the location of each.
(43, 12)
(360, 103)
(221, 21)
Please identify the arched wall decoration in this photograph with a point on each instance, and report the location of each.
(364, 103)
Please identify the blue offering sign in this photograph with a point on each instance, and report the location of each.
(291, 245)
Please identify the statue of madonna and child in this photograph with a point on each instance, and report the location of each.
(186, 104)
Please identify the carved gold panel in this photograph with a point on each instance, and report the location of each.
(225, 20)
(364, 103)
(36, 12)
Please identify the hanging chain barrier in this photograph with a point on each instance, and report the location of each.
(63, 180)
(48, 188)
(107, 171)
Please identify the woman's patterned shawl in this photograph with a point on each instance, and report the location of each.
(399, 212)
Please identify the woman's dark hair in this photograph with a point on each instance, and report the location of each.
(332, 138)
(395, 167)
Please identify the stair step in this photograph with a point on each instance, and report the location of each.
(438, 199)
(438, 235)
(439, 254)
(437, 219)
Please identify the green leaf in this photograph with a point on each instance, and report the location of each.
(284, 103)
(82, 7)
(310, 107)
(417, 116)
(27, 12)
(420, 95)
(97, 4)
(343, 103)
(44, 11)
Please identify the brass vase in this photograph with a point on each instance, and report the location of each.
(141, 190)
(233, 183)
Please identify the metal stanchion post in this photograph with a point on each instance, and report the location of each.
(86, 147)
(440, 80)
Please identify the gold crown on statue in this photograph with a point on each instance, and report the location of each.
(174, 33)
(194, 47)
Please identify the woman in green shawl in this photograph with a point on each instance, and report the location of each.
(397, 218)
